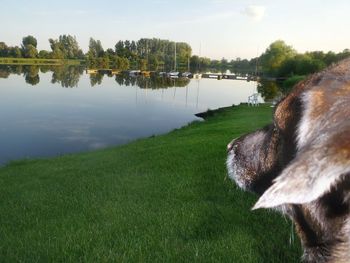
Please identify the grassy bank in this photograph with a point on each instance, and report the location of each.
(161, 199)
(39, 61)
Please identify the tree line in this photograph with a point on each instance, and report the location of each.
(278, 60)
(144, 54)
(282, 60)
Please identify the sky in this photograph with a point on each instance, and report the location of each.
(214, 28)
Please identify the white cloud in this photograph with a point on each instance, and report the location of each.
(255, 12)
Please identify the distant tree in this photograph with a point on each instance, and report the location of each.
(300, 64)
(57, 52)
(204, 63)
(44, 54)
(103, 62)
(223, 64)
(133, 47)
(122, 63)
(110, 52)
(194, 63)
(70, 47)
(121, 50)
(30, 51)
(29, 40)
(66, 46)
(95, 48)
(153, 62)
(15, 52)
(29, 44)
(330, 58)
(275, 55)
(4, 49)
(316, 55)
(215, 64)
(143, 64)
(344, 54)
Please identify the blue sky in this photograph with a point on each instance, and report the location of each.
(223, 28)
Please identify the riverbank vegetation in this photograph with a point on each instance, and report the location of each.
(39, 61)
(162, 199)
(279, 60)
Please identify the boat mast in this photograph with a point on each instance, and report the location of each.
(199, 60)
(175, 57)
(188, 63)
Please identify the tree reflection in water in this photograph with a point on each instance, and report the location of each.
(69, 76)
(31, 74)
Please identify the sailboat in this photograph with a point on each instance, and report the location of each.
(174, 73)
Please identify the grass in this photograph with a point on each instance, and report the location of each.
(161, 199)
(39, 61)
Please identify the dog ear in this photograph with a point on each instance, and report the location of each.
(310, 175)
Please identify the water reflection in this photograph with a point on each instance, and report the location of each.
(31, 74)
(47, 120)
(69, 76)
(152, 82)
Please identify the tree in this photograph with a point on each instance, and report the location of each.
(223, 64)
(15, 52)
(66, 46)
(70, 47)
(30, 51)
(4, 49)
(194, 63)
(275, 55)
(44, 54)
(300, 64)
(29, 40)
(29, 44)
(153, 62)
(142, 64)
(95, 48)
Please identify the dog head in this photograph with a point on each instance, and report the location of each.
(300, 163)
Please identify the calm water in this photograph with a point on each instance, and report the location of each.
(51, 111)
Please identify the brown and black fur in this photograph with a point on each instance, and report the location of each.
(300, 164)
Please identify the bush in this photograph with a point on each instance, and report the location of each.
(289, 83)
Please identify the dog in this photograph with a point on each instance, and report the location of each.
(300, 164)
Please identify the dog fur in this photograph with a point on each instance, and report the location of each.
(300, 164)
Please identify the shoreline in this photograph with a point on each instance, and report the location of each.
(40, 61)
(202, 115)
(163, 198)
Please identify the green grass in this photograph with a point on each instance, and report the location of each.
(39, 61)
(161, 199)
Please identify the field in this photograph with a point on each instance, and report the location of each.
(161, 199)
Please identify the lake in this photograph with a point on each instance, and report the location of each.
(49, 111)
